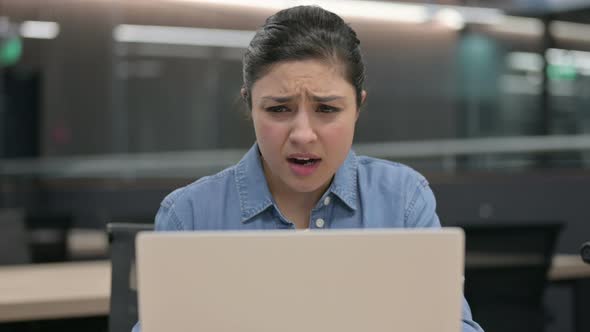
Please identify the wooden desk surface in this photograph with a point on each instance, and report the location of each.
(563, 267)
(62, 290)
(568, 267)
(59, 290)
(87, 243)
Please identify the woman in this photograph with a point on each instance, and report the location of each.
(303, 83)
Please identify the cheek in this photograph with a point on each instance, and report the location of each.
(339, 133)
(268, 133)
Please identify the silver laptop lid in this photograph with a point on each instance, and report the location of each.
(361, 280)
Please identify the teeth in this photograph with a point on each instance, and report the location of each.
(304, 159)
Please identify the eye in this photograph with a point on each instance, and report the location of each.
(277, 109)
(327, 109)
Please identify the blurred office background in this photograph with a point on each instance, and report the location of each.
(107, 106)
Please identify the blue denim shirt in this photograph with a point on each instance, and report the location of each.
(365, 193)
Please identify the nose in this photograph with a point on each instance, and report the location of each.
(302, 131)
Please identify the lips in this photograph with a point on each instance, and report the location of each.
(303, 161)
(303, 158)
(303, 164)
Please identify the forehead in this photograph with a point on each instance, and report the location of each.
(300, 76)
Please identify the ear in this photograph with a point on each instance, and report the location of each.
(363, 99)
(244, 93)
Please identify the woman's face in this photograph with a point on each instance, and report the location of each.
(304, 114)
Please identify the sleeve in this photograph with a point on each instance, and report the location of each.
(175, 212)
(421, 209)
(421, 212)
(167, 219)
(469, 325)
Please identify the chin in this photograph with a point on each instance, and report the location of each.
(305, 186)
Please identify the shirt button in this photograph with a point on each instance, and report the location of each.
(319, 223)
(327, 200)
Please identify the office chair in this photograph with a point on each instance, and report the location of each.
(48, 236)
(506, 271)
(585, 252)
(123, 314)
(14, 240)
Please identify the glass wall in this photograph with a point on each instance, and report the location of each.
(100, 78)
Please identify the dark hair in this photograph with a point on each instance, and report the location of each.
(300, 33)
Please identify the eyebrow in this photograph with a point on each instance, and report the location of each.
(320, 99)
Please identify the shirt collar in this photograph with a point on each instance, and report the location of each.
(255, 196)
(344, 185)
(253, 190)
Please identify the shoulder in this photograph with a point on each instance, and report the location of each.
(177, 209)
(203, 186)
(401, 188)
(390, 173)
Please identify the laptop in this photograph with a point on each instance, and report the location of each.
(267, 281)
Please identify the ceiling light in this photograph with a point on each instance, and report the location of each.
(182, 35)
(39, 29)
(451, 18)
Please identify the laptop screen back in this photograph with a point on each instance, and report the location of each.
(361, 280)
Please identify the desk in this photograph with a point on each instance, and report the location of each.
(571, 271)
(63, 290)
(563, 267)
(85, 243)
(58, 290)
(567, 270)
(568, 267)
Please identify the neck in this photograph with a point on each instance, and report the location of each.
(296, 206)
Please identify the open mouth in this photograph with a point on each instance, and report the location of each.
(304, 161)
(303, 164)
